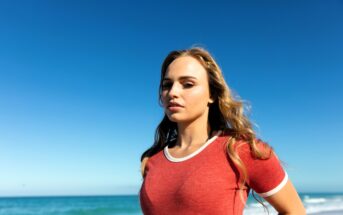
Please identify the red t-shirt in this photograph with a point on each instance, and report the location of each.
(206, 181)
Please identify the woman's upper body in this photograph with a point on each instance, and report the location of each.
(206, 181)
(196, 101)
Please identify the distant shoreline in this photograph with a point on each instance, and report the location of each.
(71, 196)
(123, 195)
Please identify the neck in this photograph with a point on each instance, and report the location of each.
(193, 133)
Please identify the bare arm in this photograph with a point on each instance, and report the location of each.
(287, 201)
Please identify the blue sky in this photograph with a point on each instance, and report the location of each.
(79, 83)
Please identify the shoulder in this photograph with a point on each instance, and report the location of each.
(245, 147)
(264, 170)
(255, 150)
(147, 160)
(258, 162)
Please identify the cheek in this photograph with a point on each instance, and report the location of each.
(198, 95)
(163, 98)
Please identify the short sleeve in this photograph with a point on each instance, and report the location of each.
(265, 176)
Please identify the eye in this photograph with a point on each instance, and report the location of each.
(188, 84)
(166, 85)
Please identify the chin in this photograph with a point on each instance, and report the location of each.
(178, 119)
(174, 118)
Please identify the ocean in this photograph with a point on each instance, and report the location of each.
(315, 203)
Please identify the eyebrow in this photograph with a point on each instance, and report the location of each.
(181, 78)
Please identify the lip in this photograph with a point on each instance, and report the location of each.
(174, 105)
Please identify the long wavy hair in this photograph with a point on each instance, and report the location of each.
(226, 113)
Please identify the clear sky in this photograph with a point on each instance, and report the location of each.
(79, 83)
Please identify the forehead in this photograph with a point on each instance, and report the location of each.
(186, 66)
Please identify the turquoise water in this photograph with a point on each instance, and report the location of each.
(89, 205)
(315, 203)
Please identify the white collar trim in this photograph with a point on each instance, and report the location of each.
(174, 159)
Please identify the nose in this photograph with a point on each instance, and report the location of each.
(174, 91)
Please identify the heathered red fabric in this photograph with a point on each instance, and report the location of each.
(206, 183)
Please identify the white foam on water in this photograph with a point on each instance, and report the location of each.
(317, 205)
(313, 205)
(314, 200)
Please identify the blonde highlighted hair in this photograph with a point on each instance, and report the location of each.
(226, 113)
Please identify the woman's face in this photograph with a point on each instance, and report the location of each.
(185, 90)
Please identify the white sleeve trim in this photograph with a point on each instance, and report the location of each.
(276, 189)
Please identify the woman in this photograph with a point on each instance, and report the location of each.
(206, 157)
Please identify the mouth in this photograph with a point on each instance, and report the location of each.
(172, 105)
